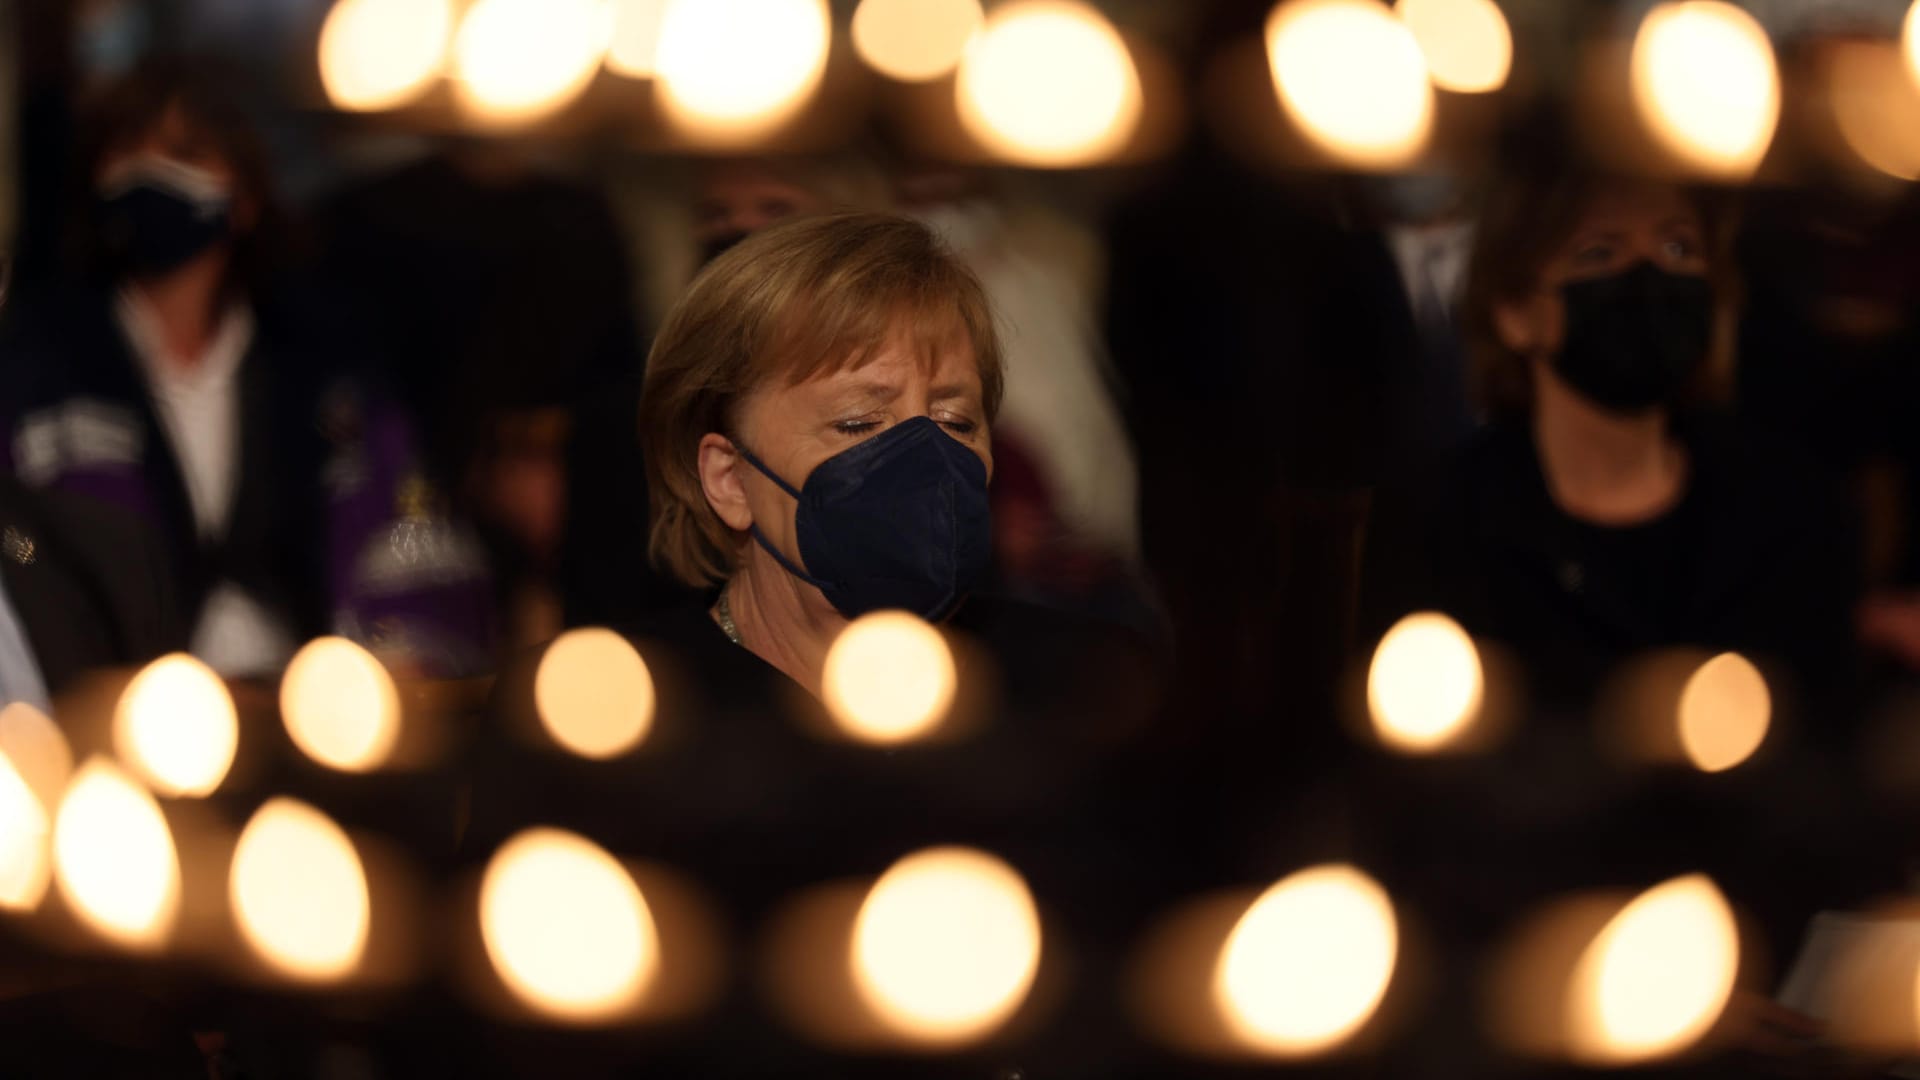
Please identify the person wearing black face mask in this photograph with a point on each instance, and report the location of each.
(1606, 510)
(182, 379)
(1606, 518)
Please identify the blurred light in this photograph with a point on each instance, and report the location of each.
(594, 693)
(1468, 47)
(114, 857)
(1426, 684)
(636, 37)
(25, 867)
(37, 751)
(299, 893)
(1049, 83)
(1724, 713)
(516, 61)
(175, 726)
(566, 927)
(946, 945)
(914, 40)
(1874, 100)
(340, 705)
(1910, 42)
(1705, 80)
(737, 68)
(889, 678)
(1352, 76)
(1657, 977)
(1308, 964)
(379, 54)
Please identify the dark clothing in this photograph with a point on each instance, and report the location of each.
(1756, 558)
(331, 528)
(90, 584)
(605, 577)
(739, 789)
(489, 295)
(1753, 559)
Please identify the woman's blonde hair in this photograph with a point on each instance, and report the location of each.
(805, 297)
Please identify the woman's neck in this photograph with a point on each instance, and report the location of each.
(1605, 468)
(781, 619)
(185, 302)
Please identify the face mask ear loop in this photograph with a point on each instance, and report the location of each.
(788, 564)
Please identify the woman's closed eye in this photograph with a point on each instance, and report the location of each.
(1594, 256)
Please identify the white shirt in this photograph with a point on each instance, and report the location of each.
(199, 409)
(1433, 266)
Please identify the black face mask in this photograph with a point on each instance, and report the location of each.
(158, 215)
(1635, 339)
(898, 521)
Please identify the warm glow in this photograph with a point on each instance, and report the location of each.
(1875, 100)
(889, 678)
(1353, 78)
(594, 694)
(1425, 686)
(566, 927)
(946, 945)
(1658, 977)
(1705, 80)
(379, 54)
(25, 867)
(175, 726)
(299, 893)
(914, 40)
(636, 37)
(515, 61)
(114, 858)
(1468, 47)
(732, 69)
(340, 705)
(1724, 713)
(1309, 963)
(1910, 42)
(1049, 83)
(37, 750)
(35, 764)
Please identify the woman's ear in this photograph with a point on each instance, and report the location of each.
(720, 479)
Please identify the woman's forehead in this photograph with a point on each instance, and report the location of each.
(1630, 205)
(937, 344)
(945, 360)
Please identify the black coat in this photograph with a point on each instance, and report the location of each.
(1755, 559)
(90, 583)
(1763, 559)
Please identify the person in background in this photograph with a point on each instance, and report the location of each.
(1606, 510)
(1425, 226)
(188, 382)
(1607, 516)
(505, 304)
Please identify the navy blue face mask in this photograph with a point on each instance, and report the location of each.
(157, 215)
(898, 521)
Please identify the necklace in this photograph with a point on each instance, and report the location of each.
(723, 613)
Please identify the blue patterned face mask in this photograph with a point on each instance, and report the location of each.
(898, 521)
